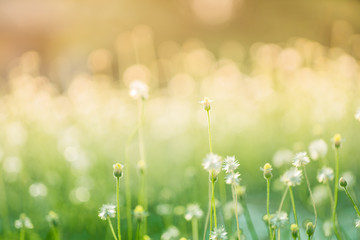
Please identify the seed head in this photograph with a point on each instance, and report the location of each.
(294, 230)
(337, 140)
(107, 211)
(118, 170)
(267, 170)
(206, 102)
(342, 182)
(310, 229)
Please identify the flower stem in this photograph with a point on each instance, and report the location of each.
(283, 199)
(352, 201)
(112, 229)
(234, 194)
(118, 206)
(194, 225)
(213, 200)
(22, 233)
(208, 215)
(138, 231)
(268, 206)
(311, 196)
(248, 220)
(336, 186)
(293, 205)
(209, 131)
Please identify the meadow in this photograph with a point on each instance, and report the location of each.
(174, 115)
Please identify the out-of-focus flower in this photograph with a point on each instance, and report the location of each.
(328, 228)
(357, 115)
(139, 90)
(107, 211)
(282, 156)
(139, 213)
(229, 210)
(320, 194)
(292, 177)
(350, 178)
(206, 102)
(163, 209)
(318, 149)
(357, 223)
(212, 164)
(267, 170)
(301, 159)
(23, 222)
(218, 234)
(325, 174)
(232, 178)
(172, 233)
(337, 140)
(193, 211)
(279, 219)
(53, 219)
(230, 164)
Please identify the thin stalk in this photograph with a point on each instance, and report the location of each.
(55, 233)
(311, 196)
(283, 198)
(209, 131)
(352, 201)
(112, 229)
(309, 237)
(293, 205)
(279, 235)
(330, 194)
(234, 194)
(213, 200)
(138, 231)
(118, 205)
(208, 215)
(249, 221)
(194, 225)
(22, 233)
(336, 194)
(268, 206)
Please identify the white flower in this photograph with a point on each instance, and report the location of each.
(193, 211)
(172, 233)
(279, 219)
(23, 222)
(139, 89)
(281, 157)
(357, 223)
(163, 209)
(301, 159)
(357, 115)
(292, 177)
(328, 228)
(318, 149)
(107, 210)
(206, 102)
(232, 178)
(212, 164)
(325, 174)
(218, 234)
(229, 210)
(230, 164)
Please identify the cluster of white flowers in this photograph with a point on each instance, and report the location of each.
(279, 219)
(230, 165)
(218, 234)
(107, 211)
(193, 211)
(292, 177)
(301, 159)
(171, 233)
(325, 174)
(23, 222)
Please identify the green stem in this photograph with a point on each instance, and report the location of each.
(209, 132)
(234, 194)
(112, 229)
(311, 196)
(248, 220)
(283, 199)
(118, 205)
(352, 201)
(55, 233)
(213, 199)
(336, 194)
(330, 194)
(279, 235)
(209, 214)
(138, 231)
(194, 225)
(22, 233)
(293, 205)
(268, 206)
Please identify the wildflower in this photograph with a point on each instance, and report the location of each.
(139, 89)
(337, 140)
(292, 177)
(232, 178)
(118, 170)
(229, 210)
(318, 149)
(171, 233)
(310, 228)
(357, 115)
(294, 228)
(107, 211)
(206, 102)
(218, 234)
(193, 211)
(212, 164)
(23, 222)
(357, 223)
(267, 171)
(240, 190)
(139, 213)
(230, 164)
(328, 228)
(281, 157)
(301, 159)
(141, 166)
(279, 219)
(325, 174)
(342, 182)
(350, 178)
(53, 219)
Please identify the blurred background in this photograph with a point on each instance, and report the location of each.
(281, 74)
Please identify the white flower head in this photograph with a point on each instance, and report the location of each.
(232, 178)
(292, 177)
(212, 163)
(318, 149)
(300, 159)
(357, 223)
(230, 164)
(325, 174)
(23, 222)
(229, 210)
(279, 219)
(107, 211)
(281, 157)
(139, 90)
(218, 234)
(193, 211)
(172, 233)
(357, 115)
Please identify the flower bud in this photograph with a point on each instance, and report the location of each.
(294, 230)
(118, 170)
(267, 171)
(310, 229)
(342, 182)
(206, 102)
(139, 213)
(141, 165)
(53, 219)
(337, 140)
